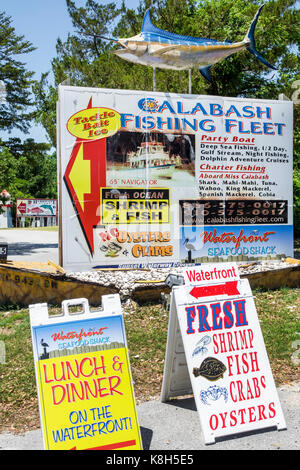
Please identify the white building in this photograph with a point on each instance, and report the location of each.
(6, 205)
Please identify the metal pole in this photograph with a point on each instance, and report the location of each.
(190, 81)
(154, 79)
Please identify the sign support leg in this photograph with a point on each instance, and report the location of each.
(190, 81)
(154, 79)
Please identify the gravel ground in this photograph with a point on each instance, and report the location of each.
(127, 280)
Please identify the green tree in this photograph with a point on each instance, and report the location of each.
(18, 81)
(45, 101)
(29, 169)
(8, 173)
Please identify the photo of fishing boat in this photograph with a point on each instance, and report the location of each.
(153, 156)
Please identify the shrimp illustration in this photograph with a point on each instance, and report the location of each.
(200, 345)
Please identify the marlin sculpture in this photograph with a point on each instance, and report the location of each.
(161, 49)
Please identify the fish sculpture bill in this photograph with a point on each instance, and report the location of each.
(161, 49)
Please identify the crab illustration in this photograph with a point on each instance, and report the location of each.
(213, 393)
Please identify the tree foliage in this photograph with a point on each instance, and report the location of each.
(14, 111)
(27, 169)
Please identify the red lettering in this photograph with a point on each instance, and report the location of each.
(272, 410)
(216, 347)
(45, 375)
(82, 362)
(223, 417)
(242, 413)
(261, 412)
(240, 390)
(233, 418)
(112, 388)
(62, 388)
(256, 387)
(213, 425)
(254, 363)
(252, 416)
(245, 363)
(228, 237)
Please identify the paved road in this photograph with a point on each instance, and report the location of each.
(31, 245)
(175, 426)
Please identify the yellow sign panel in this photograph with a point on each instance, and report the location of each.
(80, 176)
(85, 389)
(94, 123)
(135, 206)
(86, 401)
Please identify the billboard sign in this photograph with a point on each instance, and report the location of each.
(36, 207)
(159, 180)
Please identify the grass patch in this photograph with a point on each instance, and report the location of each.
(18, 399)
(146, 329)
(41, 229)
(279, 315)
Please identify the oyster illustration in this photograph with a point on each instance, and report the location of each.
(211, 368)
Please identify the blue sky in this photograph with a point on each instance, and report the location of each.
(42, 22)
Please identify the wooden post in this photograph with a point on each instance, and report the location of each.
(154, 79)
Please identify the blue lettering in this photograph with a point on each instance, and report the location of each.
(240, 312)
(216, 109)
(190, 318)
(228, 320)
(231, 110)
(166, 105)
(248, 111)
(204, 126)
(203, 313)
(197, 108)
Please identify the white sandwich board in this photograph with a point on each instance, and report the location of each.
(216, 350)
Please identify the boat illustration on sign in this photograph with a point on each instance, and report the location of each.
(152, 156)
(161, 49)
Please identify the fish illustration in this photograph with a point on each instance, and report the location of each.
(47, 207)
(36, 210)
(211, 368)
(158, 48)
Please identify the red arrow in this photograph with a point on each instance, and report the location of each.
(88, 212)
(229, 288)
(116, 445)
(22, 207)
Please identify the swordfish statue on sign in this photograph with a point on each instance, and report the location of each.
(161, 49)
